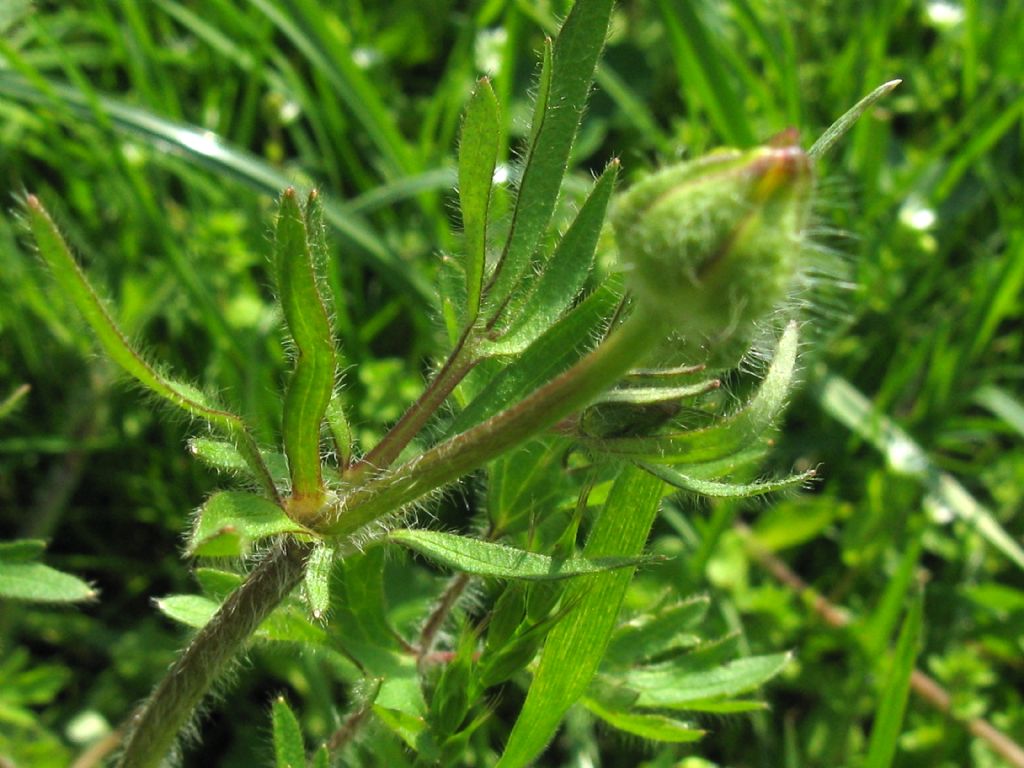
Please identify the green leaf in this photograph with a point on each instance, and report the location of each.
(318, 579)
(653, 727)
(203, 149)
(312, 381)
(38, 583)
(650, 635)
(675, 686)
(726, 490)
(286, 624)
(573, 62)
(478, 154)
(564, 275)
(191, 610)
(22, 550)
(75, 287)
(341, 430)
(700, 71)
(888, 722)
(844, 402)
(231, 520)
(728, 435)
(289, 749)
(551, 354)
(225, 457)
(13, 401)
(484, 558)
(838, 129)
(217, 584)
(322, 758)
(575, 646)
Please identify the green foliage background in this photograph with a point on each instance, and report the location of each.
(161, 132)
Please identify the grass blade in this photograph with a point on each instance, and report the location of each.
(846, 404)
(576, 645)
(889, 716)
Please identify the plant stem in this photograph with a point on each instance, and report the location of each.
(546, 406)
(155, 727)
(459, 363)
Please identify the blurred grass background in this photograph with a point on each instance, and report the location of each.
(160, 132)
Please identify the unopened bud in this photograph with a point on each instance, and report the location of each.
(714, 244)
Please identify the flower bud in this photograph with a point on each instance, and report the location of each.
(714, 244)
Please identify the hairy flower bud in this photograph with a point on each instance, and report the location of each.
(714, 243)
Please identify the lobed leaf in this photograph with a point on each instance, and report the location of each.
(478, 154)
(485, 558)
(231, 520)
(551, 354)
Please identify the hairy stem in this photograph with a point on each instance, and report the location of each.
(155, 727)
(459, 363)
(546, 406)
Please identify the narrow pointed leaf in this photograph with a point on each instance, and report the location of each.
(573, 62)
(484, 558)
(478, 154)
(652, 727)
(75, 287)
(341, 430)
(21, 550)
(649, 395)
(38, 583)
(728, 435)
(225, 457)
(549, 355)
(13, 401)
(312, 382)
(647, 636)
(676, 687)
(888, 723)
(726, 490)
(289, 749)
(565, 274)
(230, 520)
(839, 128)
(575, 646)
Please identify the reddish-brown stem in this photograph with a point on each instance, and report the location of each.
(924, 686)
(459, 363)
